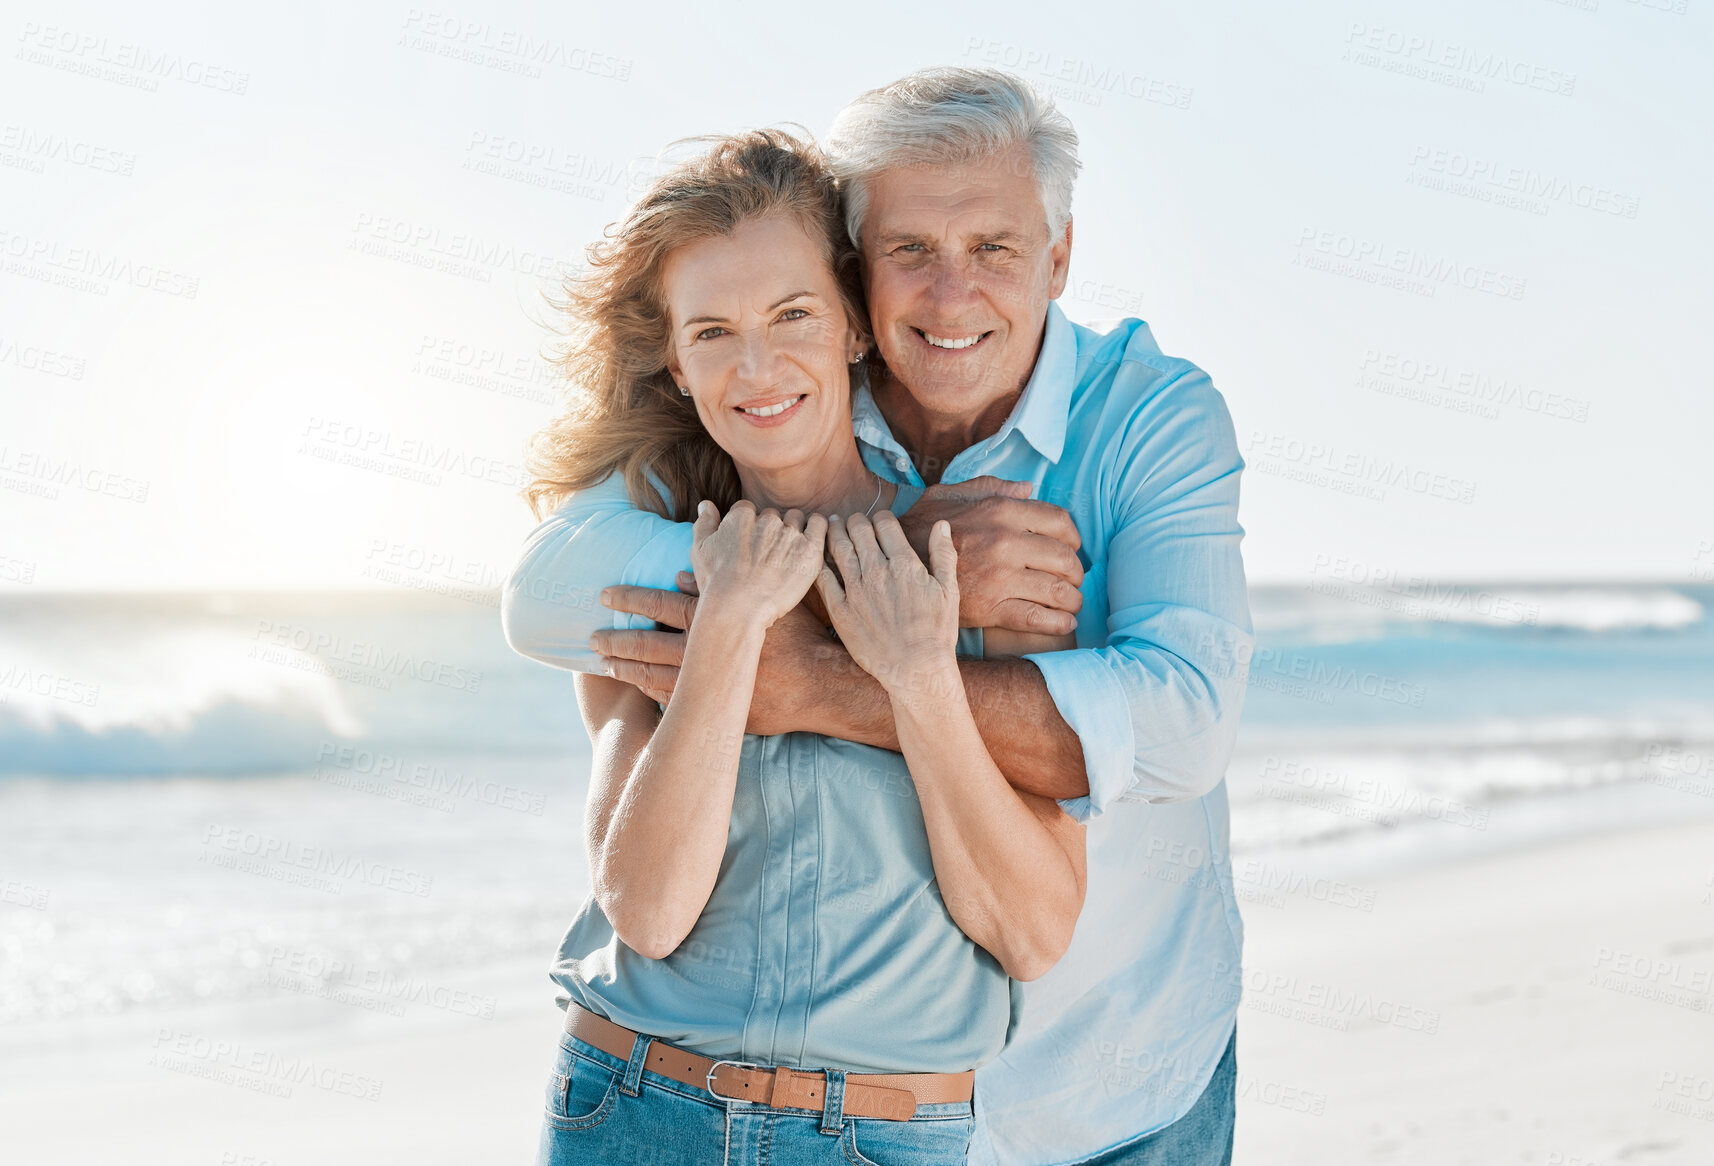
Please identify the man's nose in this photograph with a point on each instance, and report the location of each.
(951, 281)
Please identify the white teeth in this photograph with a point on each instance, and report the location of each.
(773, 410)
(938, 342)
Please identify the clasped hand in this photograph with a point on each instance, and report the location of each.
(1018, 566)
(755, 566)
(897, 618)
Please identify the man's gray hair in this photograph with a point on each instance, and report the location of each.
(948, 115)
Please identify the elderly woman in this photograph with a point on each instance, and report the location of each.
(797, 948)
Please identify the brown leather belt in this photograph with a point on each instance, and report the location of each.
(893, 1096)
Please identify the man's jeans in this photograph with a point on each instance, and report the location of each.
(1202, 1137)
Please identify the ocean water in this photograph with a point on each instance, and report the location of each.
(1435, 719)
(289, 802)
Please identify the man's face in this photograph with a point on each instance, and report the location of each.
(960, 269)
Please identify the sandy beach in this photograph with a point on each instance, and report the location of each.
(1550, 1006)
(1547, 1006)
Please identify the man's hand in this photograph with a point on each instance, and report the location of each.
(797, 647)
(1017, 558)
(649, 660)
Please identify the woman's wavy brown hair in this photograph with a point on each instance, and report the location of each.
(623, 411)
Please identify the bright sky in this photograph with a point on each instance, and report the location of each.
(1448, 262)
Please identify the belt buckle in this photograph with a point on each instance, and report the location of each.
(708, 1080)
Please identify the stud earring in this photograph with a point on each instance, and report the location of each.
(857, 358)
(683, 392)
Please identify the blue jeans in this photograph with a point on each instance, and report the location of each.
(607, 1112)
(1202, 1137)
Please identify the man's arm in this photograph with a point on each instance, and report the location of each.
(1157, 708)
(809, 683)
(551, 606)
(1036, 750)
(551, 602)
(1150, 717)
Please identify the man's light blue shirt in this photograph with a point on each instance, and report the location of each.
(1120, 1038)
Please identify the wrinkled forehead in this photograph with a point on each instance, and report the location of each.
(752, 269)
(982, 196)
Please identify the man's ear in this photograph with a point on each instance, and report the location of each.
(1061, 253)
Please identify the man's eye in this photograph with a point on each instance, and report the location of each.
(912, 247)
(989, 247)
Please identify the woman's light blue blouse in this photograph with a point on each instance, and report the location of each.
(825, 942)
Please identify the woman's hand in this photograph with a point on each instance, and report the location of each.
(754, 566)
(898, 620)
(1010, 865)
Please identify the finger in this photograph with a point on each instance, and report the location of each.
(644, 647)
(687, 583)
(1020, 615)
(839, 546)
(891, 536)
(832, 594)
(1038, 587)
(794, 519)
(1042, 553)
(1050, 590)
(669, 607)
(1043, 518)
(815, 530)
(942, 556)
(651, 678)
(869, 556)
(985, 486)
(742, 513)
(707, 521)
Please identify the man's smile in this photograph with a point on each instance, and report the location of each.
(953, 343)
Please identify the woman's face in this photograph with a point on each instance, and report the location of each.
(761, 339)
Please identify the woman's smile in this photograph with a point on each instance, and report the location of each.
(776, 412)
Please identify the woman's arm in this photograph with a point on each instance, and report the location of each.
(1010, 865)
(660, 802)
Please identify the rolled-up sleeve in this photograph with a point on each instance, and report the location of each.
(1157, 707)
(551, 602)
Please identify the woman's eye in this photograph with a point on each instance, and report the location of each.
(794, 314)
(709, 333)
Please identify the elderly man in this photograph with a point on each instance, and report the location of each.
(1091, 483)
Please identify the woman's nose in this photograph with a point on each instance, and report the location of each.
(756, 358)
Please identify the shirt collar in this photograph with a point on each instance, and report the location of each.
(1040, 414)
(866, 419)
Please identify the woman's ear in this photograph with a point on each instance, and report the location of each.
(858, 344)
